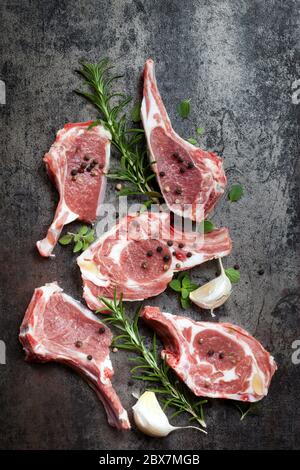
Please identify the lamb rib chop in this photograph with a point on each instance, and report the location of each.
(191, 180)
(77, 163)
(140, 254)
(58, 328)
(217, 360)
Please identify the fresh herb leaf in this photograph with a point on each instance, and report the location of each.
(186, 281)
(147, 367)
(81, 240)
(192, 141)
(184, 293)
(235, 193)
(94, 124)
(175, 285)
(78, 246)
(184, 108)
(185, 303)
(129, 142)
(135, 114)
(83, 230)
(66, 239)
(200, 130)
(233, 275)
(206, 226)
(183, 285)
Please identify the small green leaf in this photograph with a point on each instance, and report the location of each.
(200, 130)
(94, 124)
(192, 141)
(90, 236)
(175, 285)
(184, 108)
(66, 239)
(206, 226)
(135, 114)
(233, 275)
(184, 293)
(83, 230)
(235, 193)
(85, 245)
(186, 282)
(185, 303)
(181, 276)
(78, 246)
(193, 287)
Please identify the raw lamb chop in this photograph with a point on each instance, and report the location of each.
(217, 360)
(191, 180)
(140, 254)
(76, 163)
(58, 328)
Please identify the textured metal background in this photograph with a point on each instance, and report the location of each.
(237, 61)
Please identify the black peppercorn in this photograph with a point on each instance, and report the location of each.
(159, 249)
(74, 172)
(149, 253)
(78, 344)
(178, 191)
(169, 243)
(190, 165)
(182, 170)
(101, 330)
(181, 245)
(189, 254)
(210, 352)
(89, 357)
(162, 173)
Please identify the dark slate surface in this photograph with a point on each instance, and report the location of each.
(237, 61)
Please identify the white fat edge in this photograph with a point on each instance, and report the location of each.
(123, 416)
(197, 327)
(90, 297)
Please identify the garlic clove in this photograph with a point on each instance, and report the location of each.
(214, 293)
(150, 418)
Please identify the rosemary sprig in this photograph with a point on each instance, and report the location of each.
(129, 142)
(147, 366)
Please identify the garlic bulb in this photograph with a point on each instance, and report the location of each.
(214, 293)
(150, 418)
